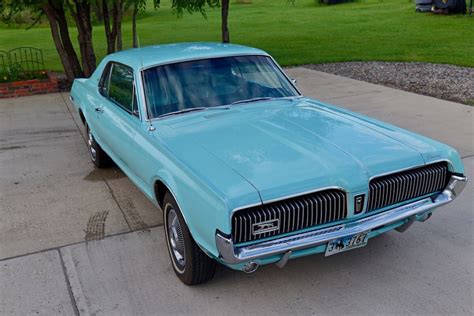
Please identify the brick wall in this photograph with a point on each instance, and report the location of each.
(29, 87)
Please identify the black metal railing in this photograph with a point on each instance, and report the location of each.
(21, 63)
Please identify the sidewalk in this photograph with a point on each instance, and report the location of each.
(50, 207)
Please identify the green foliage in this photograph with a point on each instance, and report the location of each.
(179, 6)
(9, 9)
(25, 17)
(14, 72)
(141, 4)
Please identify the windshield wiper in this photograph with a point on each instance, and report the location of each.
(201, 108)
(252, 100)
(187, 110)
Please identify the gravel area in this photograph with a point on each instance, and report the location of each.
(446, 82)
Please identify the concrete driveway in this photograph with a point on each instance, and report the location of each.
(78, 240)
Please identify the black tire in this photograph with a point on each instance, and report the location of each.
(196, 267)
(98, 156)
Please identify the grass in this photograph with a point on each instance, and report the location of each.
(384, 30)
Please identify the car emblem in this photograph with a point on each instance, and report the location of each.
(265, 227)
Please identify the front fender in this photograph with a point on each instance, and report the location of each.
(202, 210)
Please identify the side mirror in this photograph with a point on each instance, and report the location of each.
(294, 81)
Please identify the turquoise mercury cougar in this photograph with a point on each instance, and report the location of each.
(246, 169)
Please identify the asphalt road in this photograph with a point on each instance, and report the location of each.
(77, 240)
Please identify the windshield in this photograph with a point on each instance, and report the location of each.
(213, 82)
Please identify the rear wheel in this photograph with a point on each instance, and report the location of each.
(190, 263)
(98, 156)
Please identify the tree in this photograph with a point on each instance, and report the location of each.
(139, 6)
(112, 16)
(191, 6)
(111, 13)
(224, 23)
(199, 6)
(55, 11)
(81, 12)
(113, 27)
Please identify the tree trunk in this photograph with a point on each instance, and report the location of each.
(134, 26)
(81, 15)
(108, 33)
(114, 36)
(62, 41)
(59, 47)
(118, 23)
(66, 42)
(115, 10)
(97, 7)
(119, 36)
(224, 16)
(90, 62)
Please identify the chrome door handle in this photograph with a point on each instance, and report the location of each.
(99, 110)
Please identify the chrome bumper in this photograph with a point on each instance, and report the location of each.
(230, 254)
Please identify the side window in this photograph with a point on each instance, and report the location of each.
(104, 81)
(120, 87)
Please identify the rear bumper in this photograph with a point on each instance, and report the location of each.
(230, 254)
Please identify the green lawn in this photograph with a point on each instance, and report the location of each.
(388, 30)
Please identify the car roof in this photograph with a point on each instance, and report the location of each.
(148, 56)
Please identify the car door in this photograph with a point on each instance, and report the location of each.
(117, 116)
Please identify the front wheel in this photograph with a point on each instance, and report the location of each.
(190, 263)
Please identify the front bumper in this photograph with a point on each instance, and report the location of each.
(230, 254)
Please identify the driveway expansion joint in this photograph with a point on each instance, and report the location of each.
(72, 117)
(118, 204)
(148, 228)
(68, 284)
(131, 217)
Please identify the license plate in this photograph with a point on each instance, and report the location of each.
(346, 243)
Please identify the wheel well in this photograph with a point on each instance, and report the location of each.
(81, 115)
(160, 191)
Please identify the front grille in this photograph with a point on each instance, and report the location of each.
(289, 215)
(403, 186)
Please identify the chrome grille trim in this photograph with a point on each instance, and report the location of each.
(406, 185)
(293, 214)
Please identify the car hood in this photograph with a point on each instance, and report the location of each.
(287, 147)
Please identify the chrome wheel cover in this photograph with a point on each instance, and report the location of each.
(90, 141)
(176, 239)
